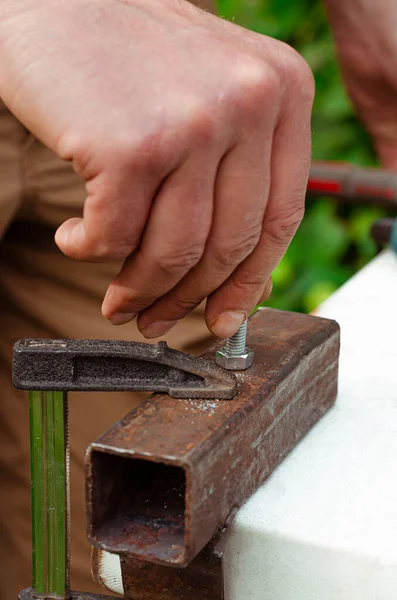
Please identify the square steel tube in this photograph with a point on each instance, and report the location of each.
(162, 481)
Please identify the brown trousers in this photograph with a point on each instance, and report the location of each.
(45, 294)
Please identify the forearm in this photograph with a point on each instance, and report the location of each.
(366, 45)
(371, 25)
(365, 36)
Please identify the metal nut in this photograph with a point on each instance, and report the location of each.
(234, 363)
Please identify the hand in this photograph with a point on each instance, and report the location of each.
(366, 43)
(193, 137)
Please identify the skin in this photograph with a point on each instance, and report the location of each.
(192, 135)
(365, 33)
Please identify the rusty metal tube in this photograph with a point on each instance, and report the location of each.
(170, 474)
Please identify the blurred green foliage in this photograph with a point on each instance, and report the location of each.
(333, 241)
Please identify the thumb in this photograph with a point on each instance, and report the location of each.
(70, 239)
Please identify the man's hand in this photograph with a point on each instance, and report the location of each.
(366, 41)
(193, 137)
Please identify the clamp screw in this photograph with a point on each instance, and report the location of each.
(234, 355)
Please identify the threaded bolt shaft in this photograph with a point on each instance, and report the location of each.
(236, 344)
(234, 355)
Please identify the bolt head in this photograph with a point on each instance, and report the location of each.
(234, 363)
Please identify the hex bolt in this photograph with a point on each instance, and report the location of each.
(236, 344)
(234, 355)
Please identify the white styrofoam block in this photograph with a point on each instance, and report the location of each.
(324, 526)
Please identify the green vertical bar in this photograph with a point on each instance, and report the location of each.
(37, 492)
(60, 554)
(49, 464)
(50, 501)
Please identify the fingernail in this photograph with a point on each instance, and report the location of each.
(228, 323)
(158, 328)
(122, 318)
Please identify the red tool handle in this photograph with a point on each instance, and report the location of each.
(342, 180)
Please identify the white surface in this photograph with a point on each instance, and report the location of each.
(106, 570)
(324, 526)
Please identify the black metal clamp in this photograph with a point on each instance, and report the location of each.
(106, 365)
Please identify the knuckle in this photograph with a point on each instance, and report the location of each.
(257, 82)
(185, 305)
(299, 75)
(71, 146)
(176, 262)
(77, 148)
(112, 249)
(144, 154)
(282, 225)
(229, 254)
(135, 303)
(105, 238)
(248, 279)
(126, 152)
(256, 91)
(204, 126)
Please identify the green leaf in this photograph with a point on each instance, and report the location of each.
(322, 237)
(317, 294)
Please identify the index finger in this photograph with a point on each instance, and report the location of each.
(289, 175)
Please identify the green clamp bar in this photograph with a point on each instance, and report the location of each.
(43, 366)
(49, 476)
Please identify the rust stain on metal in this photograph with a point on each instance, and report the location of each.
(201, 580)
(171, 473)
